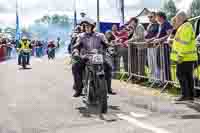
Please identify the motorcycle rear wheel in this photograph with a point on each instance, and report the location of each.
(24, 63)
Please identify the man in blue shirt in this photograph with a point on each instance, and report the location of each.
(152, 31)
(165, 29)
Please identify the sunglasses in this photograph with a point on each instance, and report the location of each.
(150, 16)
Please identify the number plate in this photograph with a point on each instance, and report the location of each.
(97, 59)
(26, 50)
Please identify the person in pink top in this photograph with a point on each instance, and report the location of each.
(122, 39)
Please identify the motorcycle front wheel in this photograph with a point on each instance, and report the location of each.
(24, 62)
(103, 100)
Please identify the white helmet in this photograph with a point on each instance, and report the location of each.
(24, 38)
(88, 21)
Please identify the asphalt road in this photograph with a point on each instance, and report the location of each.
(39, 100)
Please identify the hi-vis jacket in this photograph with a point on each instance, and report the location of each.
(23, 45)
(184, 45)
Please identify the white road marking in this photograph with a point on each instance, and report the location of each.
(141, 125)
(39, 60)
(136, 115)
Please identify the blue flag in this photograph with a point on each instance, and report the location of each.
(75, 14)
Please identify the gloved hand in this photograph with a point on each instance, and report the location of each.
(75, 55)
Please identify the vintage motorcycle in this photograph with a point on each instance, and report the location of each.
(95, 85)
(24, 53)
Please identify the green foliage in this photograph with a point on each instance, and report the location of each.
(170, 9)
(59, 20)
(195, 8)
(10, 31)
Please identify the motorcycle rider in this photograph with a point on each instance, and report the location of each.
(24, 44)
(87, 41)
(52, 46)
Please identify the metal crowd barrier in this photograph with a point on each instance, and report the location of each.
(152, 62)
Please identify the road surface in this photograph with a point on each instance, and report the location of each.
(39, 100)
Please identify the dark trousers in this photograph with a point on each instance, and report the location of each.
(51, 53)
(20, 57)
(185, 77)
(77, 71)
(39, 51)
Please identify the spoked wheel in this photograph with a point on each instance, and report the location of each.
(103, 100)
(88, 87)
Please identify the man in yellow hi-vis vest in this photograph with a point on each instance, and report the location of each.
(184, 53)
(24, 44)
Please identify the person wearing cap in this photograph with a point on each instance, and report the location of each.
(51, 45)
(86, 42)
(184, 54)
(24, 44)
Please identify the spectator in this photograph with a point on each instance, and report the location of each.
(58, 42)
(109, 36)
(79, 29)
(38, 49)
(1, 49)
(122, 38)
(139, 54)
(13, 44)
(152, 31)
(184, 53)
(4, 46)
(165, 29)
(115, 30)
(172, 35)
(9, 48)
(115, 56)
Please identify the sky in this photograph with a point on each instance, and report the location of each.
(33, 9)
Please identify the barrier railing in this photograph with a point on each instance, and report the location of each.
(152, 62)
(8, 52)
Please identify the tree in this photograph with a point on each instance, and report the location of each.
(195, 8)
(10, 30)
(46, 19)
(55, 19)
(58, 20)
(170, 9)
